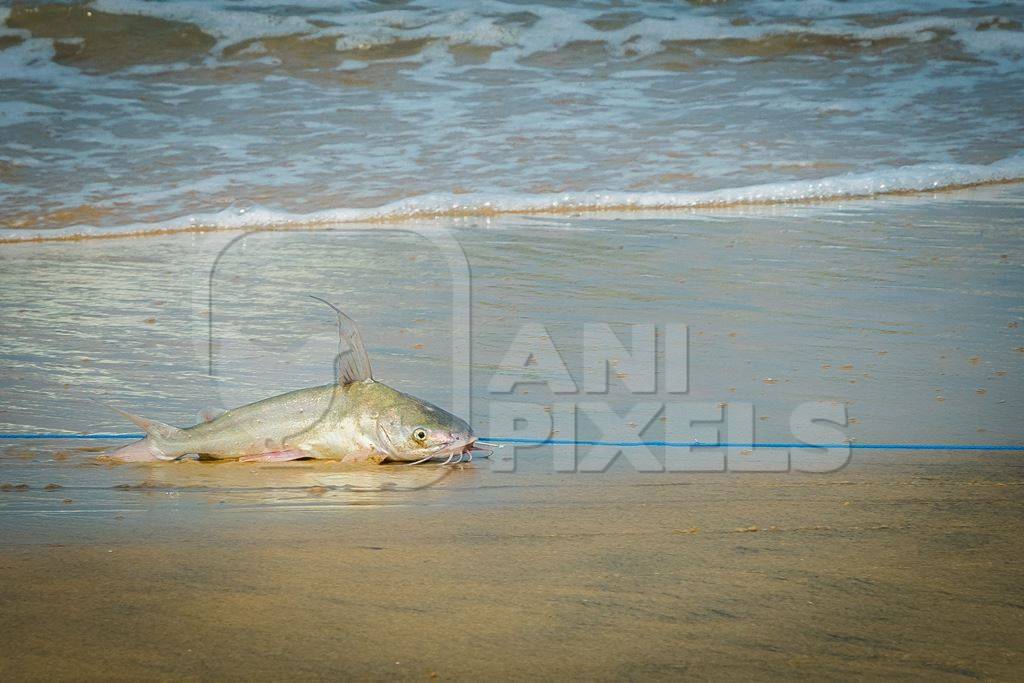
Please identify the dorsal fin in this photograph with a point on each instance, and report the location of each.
(352, 364)
(151, 427)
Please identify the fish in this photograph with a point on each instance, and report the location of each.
(354, 419)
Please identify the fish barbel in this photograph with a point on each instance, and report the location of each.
(354, 419)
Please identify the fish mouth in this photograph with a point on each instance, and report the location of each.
(456, 450)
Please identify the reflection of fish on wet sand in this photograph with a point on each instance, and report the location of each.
(303, 479)
(83, 477)
(356, 419)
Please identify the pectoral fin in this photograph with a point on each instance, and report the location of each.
(275, 456)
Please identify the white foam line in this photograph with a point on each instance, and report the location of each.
(916, 178)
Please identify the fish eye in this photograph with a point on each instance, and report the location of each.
(420, 434)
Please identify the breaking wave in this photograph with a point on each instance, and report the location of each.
(127, 116)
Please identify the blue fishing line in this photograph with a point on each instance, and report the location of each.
(625, 444)
(45, 435)
(766, 444)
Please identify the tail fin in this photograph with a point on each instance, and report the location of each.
(140, 451)
(147, 449)
(151, 427)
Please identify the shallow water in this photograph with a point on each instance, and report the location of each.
(905, 307)
(125, 115)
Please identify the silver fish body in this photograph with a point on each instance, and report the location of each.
(354, 419)
(365, 421)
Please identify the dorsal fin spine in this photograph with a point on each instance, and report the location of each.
(352, 364)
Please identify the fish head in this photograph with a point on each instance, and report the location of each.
(411, 429)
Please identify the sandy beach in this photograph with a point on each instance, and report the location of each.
(907, 564)
(905, 570)
(726, 299)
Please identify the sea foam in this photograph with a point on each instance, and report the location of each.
(910, 179)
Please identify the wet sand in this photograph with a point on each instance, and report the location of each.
(909, 570)
(905, 311)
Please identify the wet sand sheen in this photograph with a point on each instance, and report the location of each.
(902, 570)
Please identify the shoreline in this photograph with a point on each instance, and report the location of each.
(633, 210)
